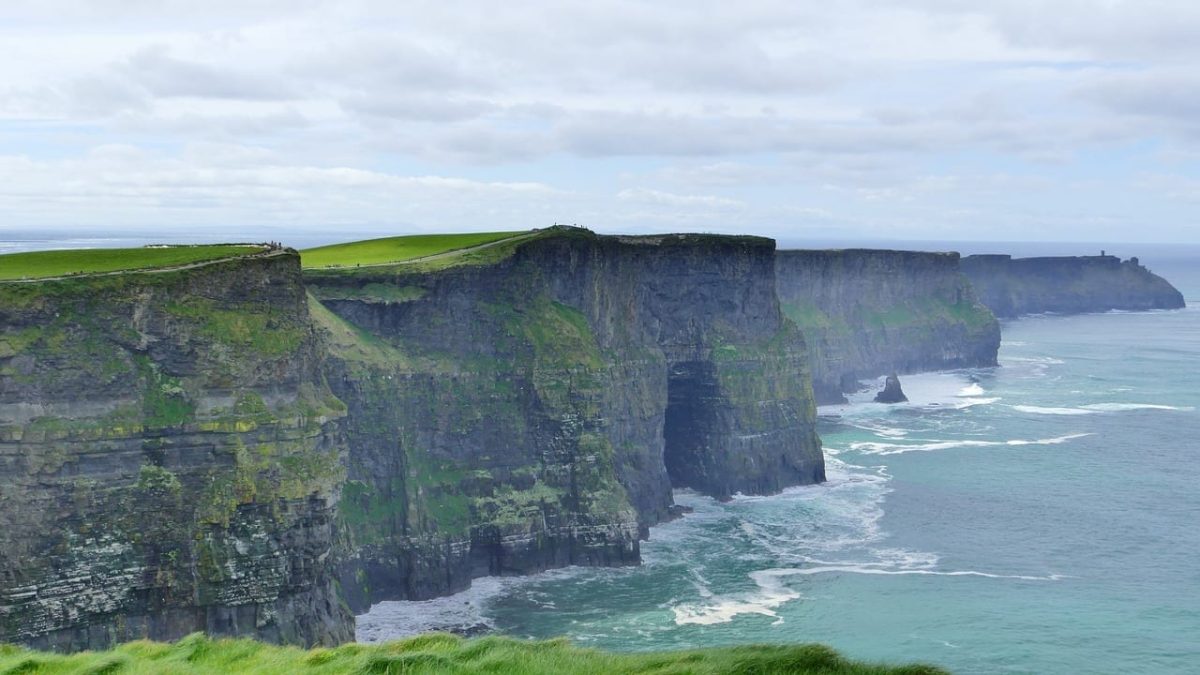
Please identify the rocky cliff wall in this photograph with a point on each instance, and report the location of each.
(170, 459)
(1011, 286)
(216, 449)
(866, 313)
(534, 409)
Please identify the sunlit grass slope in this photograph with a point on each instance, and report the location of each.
(41, 264)
(438, 654)
(396, 249)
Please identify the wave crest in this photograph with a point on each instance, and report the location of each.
(879, 448)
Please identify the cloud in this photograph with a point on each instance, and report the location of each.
(889, 115)
(659, 198)
(1165, 93)
(416, 107)
(156, 71)
(232, 184)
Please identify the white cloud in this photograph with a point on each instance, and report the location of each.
(659, 198)
(754, 114)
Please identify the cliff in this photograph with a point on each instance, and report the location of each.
(532, 406)
(170, 458)
(866, 313)
(1067, 285)
(215, 448)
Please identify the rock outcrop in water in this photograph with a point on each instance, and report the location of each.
(534, 409)
(892, 392)
(866, 313)
(170, 459)
(1067, 285)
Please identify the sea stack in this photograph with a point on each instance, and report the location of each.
(892, 393)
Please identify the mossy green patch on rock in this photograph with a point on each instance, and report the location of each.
(371, 292)
(157, 479)
(257, 327)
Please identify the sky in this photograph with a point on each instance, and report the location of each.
(1069, 120)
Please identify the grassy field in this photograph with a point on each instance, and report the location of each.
(440, 654)
(42, 264)
(395, 249)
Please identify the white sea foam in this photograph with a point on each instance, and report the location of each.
(937, 390)
(971, 402)
(391, 620)
(700, 583)
(972, 389)
(879, 429)
(1040, 360)
(874, 448)
(1122, 407)
(1040, 410)
(898, 557)
(769, 595)
(1094, 408)
(1030, 366)
(873, 568)
(772, 592)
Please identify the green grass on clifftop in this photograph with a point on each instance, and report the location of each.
(437, 654)
(44, 264)
(396, 249)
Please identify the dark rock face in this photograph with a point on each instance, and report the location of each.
(170, 459)
(866, 313)
(891, 392)
(536, 411)
(1067, 285)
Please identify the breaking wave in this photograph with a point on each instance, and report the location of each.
(1094, 408)
(880, 448)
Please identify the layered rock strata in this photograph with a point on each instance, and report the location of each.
(170, 459)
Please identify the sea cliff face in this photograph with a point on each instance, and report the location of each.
(243, 448)
(1011, 286)
(535, 409)
(866, 313)
(170, 459)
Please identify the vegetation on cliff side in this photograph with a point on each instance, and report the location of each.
(927, 311)
(43, 264)
(437, 654)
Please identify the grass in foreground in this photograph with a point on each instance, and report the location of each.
(43, 264)
(440, 653)
(395, 249)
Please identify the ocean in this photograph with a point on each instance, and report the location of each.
(1039, 517)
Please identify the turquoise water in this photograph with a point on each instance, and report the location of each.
(1040, 517)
